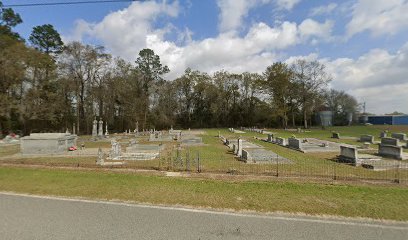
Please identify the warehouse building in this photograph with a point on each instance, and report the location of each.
(386, 119)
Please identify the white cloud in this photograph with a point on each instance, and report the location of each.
(377, 77)
(233, 12)
(287, 4)
(126, 32)
(323, 10)
(311, 28)
(378, 16)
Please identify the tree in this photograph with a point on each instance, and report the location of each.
(312, 79)
(278, 85)
(148, 64)
(46, 39)
(8, 20)
(341, 104)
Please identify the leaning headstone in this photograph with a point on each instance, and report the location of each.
(349, 154)
(390, 141)
(367, 138)
(400, 136)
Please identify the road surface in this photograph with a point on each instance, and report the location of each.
(34, 217)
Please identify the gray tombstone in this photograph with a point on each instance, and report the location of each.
(383, 134)
(100, 130)
(239, 150)
(400, 136)
(390, 141)
(95, 129)
(367, 138)
(106, 130)
(73, 129)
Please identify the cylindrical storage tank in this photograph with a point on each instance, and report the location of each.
(326, 118)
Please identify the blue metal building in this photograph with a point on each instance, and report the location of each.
(389, 120)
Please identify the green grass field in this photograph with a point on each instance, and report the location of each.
(316, 199)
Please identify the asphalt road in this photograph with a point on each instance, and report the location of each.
(30, 217)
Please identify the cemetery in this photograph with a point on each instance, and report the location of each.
(349, 150)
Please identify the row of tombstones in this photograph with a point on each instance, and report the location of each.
(253, 129)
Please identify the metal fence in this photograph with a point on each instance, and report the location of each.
(329, 169)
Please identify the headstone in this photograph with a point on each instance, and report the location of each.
(67, 131)
(73, 129)
(400, 136)
(100, 160)
(270, 138)
(367, 138)
(281, 141)
(106, 130)
(95, 129)
(239, 150)
(349, 154)
(294, 143)
(336, 135)
(100, 130)
(137, 126)
(390, 141)
(390, 151)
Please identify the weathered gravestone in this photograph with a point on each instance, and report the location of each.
(295, 143)
(281, 141)
(390, 141)
(349, 155)
(367, 138)
(390, 151)
(400, 136)
(270, 138)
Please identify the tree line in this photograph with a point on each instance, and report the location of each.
(48, 85)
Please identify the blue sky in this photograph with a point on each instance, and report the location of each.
(363, 43)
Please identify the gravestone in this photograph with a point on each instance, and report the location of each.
(349, 154)
(239, 150)
(73, 129)
(270, 138)
(295, 143)
(100, 160)
(367, 138)
(390, 141)
(281, 141)
(95, 129)
(383, 134)
(400, 136)
(100, 130)
(106, 130)
(390, 151)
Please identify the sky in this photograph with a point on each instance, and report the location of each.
(363, 43)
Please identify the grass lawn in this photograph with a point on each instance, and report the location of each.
(352, 201)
